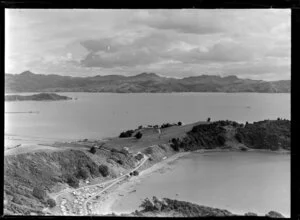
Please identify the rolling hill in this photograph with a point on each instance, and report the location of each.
(144, 82)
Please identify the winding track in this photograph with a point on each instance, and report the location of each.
(113, 182)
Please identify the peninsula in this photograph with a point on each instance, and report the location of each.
(71, 178)
(36, 97)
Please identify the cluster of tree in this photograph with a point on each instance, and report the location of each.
(138, 135)
(228, 123)
(39, 193)
(186, 209)
(104, 170)
(266, 134)
(93, 150)
(134, 173)
(206, 136)
(126, 134)
(71, 180)
(83, 173)
(166, 125)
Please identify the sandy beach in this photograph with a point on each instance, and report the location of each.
(112, 196)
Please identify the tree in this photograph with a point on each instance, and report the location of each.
(238, 136)
(103, 169)
(208, 119)
(83, 173)
(138, 135)
(141, 126)
(93, 150)
(135, 173)
(51, 203)
(72, 181)
(179, 123)
(39, 193)
(147, 205)
(221, 139)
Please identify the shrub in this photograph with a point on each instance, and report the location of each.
(103, 169)
(39, 193)
(138, 135)
(148, 150)
(83, 173)
(120, 162)
(140, 127)
(135, 173)
(179, 123)
(139, 156)
(51, 203)
(93, 150)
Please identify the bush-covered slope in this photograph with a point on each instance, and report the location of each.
(268, 134)
(24, 173)
(174, 208)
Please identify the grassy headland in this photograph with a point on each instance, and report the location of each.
(69, 165)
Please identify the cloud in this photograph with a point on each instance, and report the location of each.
(173, 42)
(186, 21)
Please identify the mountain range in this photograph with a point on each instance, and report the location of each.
(144, 82)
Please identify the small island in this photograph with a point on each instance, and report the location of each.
(37, 97)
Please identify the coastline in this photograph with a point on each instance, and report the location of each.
(112, 196)
(104, 205)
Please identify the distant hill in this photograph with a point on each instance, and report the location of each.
(36, 97)
(144, 82)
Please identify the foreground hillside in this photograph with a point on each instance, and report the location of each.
(144, 82)
(173, 208)
(33, 176)
(36, 97)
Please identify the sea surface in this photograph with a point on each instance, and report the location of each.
(100, 115)
(237, 181)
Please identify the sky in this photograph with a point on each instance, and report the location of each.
(252, 44)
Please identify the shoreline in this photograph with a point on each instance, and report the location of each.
(104, 206)
(115, 194)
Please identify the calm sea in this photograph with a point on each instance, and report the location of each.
(99, 115)
(237, 181)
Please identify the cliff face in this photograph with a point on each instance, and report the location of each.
(144, 82)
